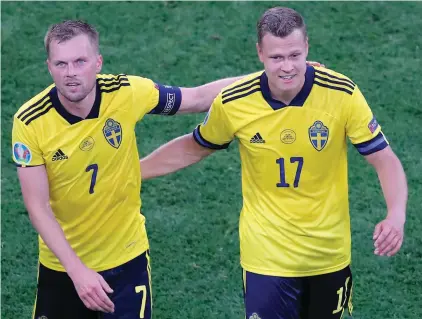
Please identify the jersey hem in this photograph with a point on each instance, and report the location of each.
(24, 165)
(102, 268)
(269, 272)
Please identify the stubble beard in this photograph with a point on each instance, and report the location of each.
(77, 97)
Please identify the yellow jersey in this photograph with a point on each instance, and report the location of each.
(295, 216)
(93, 165)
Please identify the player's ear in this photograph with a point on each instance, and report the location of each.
(259, 51)
(99, 63)
(306, 46)
(48, 66)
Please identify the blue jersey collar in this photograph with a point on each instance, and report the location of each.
(298, 100)
(73, 119)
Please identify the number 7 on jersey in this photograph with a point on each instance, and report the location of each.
(94, 168)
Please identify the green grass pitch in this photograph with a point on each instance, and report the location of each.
(192, 216)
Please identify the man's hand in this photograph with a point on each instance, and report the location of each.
(388, 237)
(91, 288)
(313, 63)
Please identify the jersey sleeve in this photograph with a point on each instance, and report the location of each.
(25, 148)
(153, 98)
(216, 131)
(362, 127)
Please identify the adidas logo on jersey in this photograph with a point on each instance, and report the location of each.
(257, 138)
(59, 156)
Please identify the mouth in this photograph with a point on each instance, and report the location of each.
(72, 84)
(287, 77)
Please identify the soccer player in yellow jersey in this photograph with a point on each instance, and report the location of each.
(291, 121)
(75, 147)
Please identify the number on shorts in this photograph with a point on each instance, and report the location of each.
(138, 289)
(340, 304)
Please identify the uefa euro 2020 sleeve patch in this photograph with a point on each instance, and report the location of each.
(21, 153)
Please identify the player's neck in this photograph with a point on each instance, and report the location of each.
(81, 108)
(285, 96)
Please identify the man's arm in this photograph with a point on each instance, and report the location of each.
(388, 234)
(173, 156)
(200, 98)
(35, 191)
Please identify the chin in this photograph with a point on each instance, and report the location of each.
(75, 98)
(288, 86)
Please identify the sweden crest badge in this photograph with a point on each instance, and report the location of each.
(113, 133)
(318, 135)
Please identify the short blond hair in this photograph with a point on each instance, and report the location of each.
(280, 22)
(69, 29)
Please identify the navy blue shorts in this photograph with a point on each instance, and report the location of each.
(325, 296)
(131, 283)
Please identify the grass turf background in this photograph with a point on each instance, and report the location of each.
(192, 216)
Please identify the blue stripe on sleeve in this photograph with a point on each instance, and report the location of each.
(374, 145)
(201, 141)
(169, 100)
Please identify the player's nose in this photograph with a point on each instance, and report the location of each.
(70, 70)
(286, 67)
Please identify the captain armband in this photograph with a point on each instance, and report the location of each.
(170, 98)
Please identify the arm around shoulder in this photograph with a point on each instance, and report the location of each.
(200, 98)
(173, 156)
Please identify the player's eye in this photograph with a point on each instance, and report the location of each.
(80, 61)
(60, 64)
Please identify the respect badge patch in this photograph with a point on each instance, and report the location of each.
(21, 153)
(373, 125)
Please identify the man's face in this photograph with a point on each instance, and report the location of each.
(73, 65)
(284, 60)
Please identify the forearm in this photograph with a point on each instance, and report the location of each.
(200, 98)
(171, 157)
(45, 223)
(209, 91)
(394, 187)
